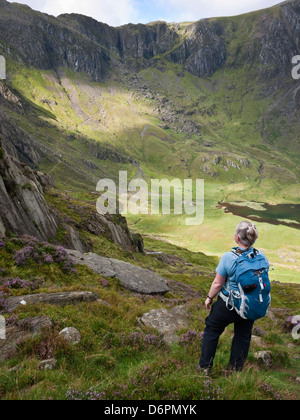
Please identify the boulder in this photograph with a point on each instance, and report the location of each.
(60, 299)
(138, 279)
(131, 277)
(167, 322)
(258, 331)
(35, 325)
(265, 357)
(71, 335)
(171, 338)
(257, 341)
(276, 314)
(24, 210)
(97, 264)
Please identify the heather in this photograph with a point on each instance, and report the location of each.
(41, 253)
(10, 284)
(17, 283)
(29, 255)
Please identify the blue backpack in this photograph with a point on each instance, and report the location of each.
(251, 294)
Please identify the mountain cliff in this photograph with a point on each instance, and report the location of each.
(85, 45)
(210, 99)
(25, 211)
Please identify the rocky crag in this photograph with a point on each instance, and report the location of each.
(24, 210)
(195, 79)
(187, 84)
(85, 45)
(22, 204)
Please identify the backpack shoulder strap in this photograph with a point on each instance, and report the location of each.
(238, 255)
(237, 252)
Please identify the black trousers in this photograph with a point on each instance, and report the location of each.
(220, 317)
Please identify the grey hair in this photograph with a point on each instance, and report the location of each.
(248, 233)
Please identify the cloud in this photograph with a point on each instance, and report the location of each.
(119, 12)
(114, 13)
(191, 10)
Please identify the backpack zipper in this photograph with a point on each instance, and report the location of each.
(261, 283)
(262, 288)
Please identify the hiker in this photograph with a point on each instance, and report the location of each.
(240, 301)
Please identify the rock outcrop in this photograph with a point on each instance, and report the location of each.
(203, 51)
(23, 209)
(265, 358)
(71, 335)
(136, 279)
(167, 322)
(60, 299)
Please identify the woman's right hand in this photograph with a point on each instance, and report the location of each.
(208, 304)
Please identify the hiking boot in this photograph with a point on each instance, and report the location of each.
(204, 371)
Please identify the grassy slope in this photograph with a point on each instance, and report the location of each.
(110, 360)
(228, 108)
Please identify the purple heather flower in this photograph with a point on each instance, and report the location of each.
(43, 253)
(16, 283)
(105, 283)
(22, 256)
(48, 259)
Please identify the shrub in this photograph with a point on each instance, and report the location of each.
(17, 283)
(42, 253)
(7, 284)
(191, 337)
(50, 345)
(269, 392)
(3, 306)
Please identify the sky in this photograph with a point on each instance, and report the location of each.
(120, 12)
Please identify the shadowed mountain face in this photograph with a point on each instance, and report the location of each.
(85, 45)
(212, 99)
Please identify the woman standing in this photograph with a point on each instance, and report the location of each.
(221, 316)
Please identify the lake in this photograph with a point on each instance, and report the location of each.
(281, 214)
